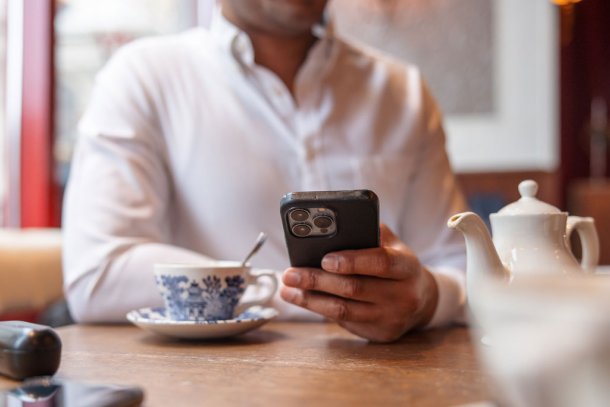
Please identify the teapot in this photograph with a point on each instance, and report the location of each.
(530, 238)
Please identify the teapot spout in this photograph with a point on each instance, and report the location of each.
(482, 261)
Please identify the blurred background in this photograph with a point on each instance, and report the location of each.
(524, 86)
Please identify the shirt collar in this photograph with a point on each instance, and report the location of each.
(237, 42)
(230, 38)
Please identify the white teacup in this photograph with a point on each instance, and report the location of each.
(208, 292)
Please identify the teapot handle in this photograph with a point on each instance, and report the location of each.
(585, 227)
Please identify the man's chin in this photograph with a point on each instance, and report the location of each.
(297, 16)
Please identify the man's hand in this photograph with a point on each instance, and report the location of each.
(378, 293)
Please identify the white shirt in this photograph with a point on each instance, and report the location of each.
(187, 147)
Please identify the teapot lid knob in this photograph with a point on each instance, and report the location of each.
(528, 188)
(528, 204)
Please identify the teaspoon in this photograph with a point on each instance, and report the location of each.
(262, 237)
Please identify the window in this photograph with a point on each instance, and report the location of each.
(50, 51)
(87, 34)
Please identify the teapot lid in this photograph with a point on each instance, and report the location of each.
(528, 204)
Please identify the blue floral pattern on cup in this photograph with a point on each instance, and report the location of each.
(208, 299)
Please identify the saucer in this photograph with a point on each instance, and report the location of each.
(156, 320)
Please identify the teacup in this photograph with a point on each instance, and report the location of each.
(209, 292)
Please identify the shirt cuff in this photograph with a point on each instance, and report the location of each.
(451, 297)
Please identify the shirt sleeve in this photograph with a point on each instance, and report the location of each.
(114, 223)
(434, 197)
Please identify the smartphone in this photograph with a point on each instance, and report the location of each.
(47, 391)
(319, 222)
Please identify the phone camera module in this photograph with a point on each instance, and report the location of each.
(323, 222)
(311, 222)
(299, 215)
(301, 229)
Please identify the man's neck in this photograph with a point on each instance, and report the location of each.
(282, 55)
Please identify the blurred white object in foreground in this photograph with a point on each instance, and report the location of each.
(549, 340)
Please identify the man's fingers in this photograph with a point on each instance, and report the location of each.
(386, 235)
(332, 307)
(381, 262)
(393, 260)
(354, 287)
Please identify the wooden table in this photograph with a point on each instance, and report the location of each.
(281, 364)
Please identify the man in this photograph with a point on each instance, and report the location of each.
(190, 141)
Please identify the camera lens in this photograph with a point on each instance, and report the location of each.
(299, 215)
(322, 221)
(301, 229)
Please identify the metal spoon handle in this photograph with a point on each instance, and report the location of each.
(262, 237)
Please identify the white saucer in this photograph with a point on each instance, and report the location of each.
(155, 320)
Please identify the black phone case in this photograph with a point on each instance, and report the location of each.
(357, 224)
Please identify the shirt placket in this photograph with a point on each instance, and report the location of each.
(310, 115)
(309, 149)
(303, 114)
(303, 121)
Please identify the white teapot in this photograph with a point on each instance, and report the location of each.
(530, 237)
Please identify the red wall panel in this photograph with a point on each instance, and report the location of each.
(39, 192)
